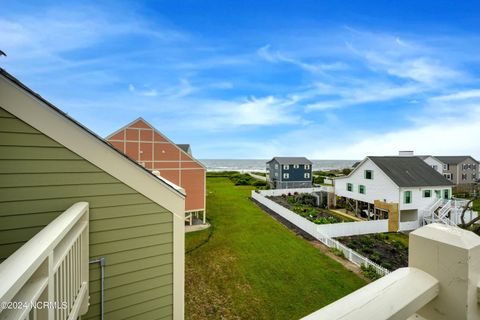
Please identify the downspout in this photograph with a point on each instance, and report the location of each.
(101, 261)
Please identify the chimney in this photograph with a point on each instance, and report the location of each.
(405, 153)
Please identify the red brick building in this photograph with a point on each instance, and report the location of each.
(144, 144)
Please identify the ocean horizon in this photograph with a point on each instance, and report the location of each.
(245, 165)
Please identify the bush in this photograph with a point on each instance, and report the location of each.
(326, 220)
(306, 199)
(338, 252)
(370, 272)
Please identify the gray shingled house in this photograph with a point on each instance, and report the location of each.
(461, 170)
(289, 172)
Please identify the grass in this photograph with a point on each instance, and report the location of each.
(476, 205)
(253, 267)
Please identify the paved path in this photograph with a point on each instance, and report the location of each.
(261, 178)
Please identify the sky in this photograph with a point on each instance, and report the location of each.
(257, 79)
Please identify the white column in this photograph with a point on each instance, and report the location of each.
(451, 255)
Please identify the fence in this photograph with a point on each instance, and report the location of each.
(279, 192)
(408, 225)
(353, 228)
(441, 282)
(47, 278)
(313, 229)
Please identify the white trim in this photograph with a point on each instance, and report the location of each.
(37, 113)
(153, 138)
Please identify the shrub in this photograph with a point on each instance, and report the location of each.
(306, 199)
(338, 252)
(325, 220)
(370, 272)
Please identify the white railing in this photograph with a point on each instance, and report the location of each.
(313, 229)
(447, 206)
(47, 278)
(439, 257)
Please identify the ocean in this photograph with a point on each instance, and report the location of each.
(245, 165)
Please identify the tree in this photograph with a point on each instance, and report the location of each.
(471, 223)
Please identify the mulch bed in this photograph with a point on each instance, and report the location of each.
(390, 254)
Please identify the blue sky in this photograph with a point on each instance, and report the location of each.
(328, 80)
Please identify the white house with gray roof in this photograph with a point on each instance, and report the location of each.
(405, 183)
(289, 172)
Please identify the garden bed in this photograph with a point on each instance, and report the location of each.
(303, 205)
(389, 250)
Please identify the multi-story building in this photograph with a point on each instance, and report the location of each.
(289, 172)
(460, 169)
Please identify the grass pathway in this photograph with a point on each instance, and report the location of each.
(253, 267)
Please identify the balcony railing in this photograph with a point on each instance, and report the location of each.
(441, 282)
(47, 278)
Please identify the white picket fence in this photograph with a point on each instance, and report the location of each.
(279, 192)
(315, 231)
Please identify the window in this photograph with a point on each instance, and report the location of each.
(368, 174)
(361, 189)
(446, 167)
(306, 175)
(448, 176)
(465, 166)
(307, 167)
(349, 187)
(427, 193)
(295, 166)
(474, 166)
(286, 176)
(276, 174)
(276, 165)
(438, 194)
(286, 167)
(474, 175)
(446, 193)
(407, 197)
(464, 176)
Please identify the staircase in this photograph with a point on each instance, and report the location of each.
(446, 211)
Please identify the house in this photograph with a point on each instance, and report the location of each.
(433, 162)
(461, 170)
(399, 188)
(143, 143)
(289, 172)
(49, 162)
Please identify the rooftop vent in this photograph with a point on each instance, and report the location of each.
(405, 153)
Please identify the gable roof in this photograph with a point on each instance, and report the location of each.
(291, 160)
(410, 171)
(158, 132)
(185, 147)
(453, 159)
(34, 110)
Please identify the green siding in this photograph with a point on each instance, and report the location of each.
(39, 179)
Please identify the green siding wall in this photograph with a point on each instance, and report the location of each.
(40, 178)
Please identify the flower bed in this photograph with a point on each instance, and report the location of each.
(304, 205)
(388, 250)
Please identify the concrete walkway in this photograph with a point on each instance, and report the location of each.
(196, 227)
(261, 178)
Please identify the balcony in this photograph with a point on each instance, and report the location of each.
(47, 278)
(441, 282)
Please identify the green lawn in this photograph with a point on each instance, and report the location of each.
(252, 267)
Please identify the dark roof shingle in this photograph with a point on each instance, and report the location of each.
(291, 160)
(410, 172)
(452, 159)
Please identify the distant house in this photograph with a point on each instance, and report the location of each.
(397, 187)
(433, 162)
(150, 148)
(460, 170)
(134, 219)
(289, 172)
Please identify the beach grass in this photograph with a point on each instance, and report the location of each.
(249, 266)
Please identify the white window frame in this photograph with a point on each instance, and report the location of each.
(307, 167)
(306, 175)
(296, 166)
(286, 176)
(286, 167)
(276, 165)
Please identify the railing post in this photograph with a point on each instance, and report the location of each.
(51, 286)
(451, 255)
